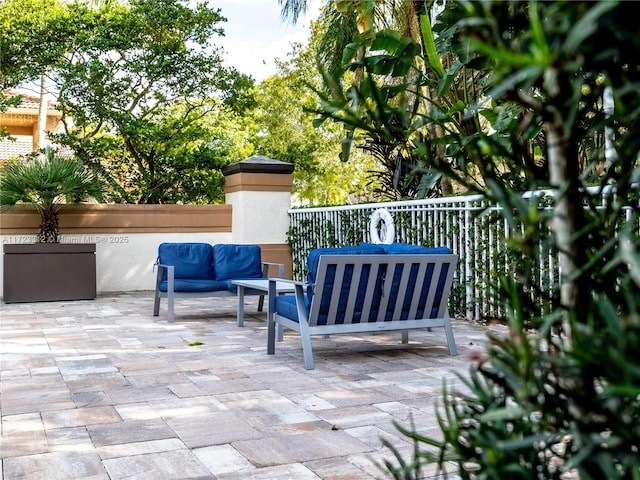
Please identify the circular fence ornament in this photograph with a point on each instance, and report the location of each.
(386, 232)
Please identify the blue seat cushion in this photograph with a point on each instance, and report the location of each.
(286, 307)
(181, 285)
(191, 261)
(234, 261)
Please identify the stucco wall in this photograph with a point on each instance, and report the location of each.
(127, 237)
(258, 198)
(268, 225)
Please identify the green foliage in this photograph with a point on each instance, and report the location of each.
(143, 90)
(33, 35)
(338, 31)
(190, 145)
(335, 229)
(388, 116)
(284, 131)
(47, 180)
(518, 106)
(7, 101)
(146, 76)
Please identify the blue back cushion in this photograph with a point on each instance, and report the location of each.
(235, 261)
(407, 249)
(191, 261)
(314, 256)
(406, 299)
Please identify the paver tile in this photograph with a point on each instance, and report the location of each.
(55, 466)
(220, 459)
(80, 417)
(182, 464)
(22, 434)
(102, 390)
(301, 447)
(291, 471)
(129, 431)
(212, 429)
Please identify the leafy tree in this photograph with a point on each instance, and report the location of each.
(283, 122)
(190, 147)
(563, 397)
(141, 87)
(346, 19)
(33, 36)
(349, 29)
(138, 85)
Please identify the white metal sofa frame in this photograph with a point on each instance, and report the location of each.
(308, 318)
(171, 295)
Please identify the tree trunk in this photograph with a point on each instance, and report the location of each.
(49, 225)
(568, 219)
(42, 113)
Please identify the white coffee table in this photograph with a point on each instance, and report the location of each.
(261, 285)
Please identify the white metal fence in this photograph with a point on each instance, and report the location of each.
(469, 225)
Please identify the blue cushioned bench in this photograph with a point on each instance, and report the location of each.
(366, 288)
(187, 270)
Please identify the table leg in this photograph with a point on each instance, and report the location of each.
(271, 326)
(240, 306)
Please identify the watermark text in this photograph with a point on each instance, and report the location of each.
(111, 239)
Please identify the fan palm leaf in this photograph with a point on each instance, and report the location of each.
(46, 181)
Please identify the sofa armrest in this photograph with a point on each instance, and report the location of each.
(170, 287)
(303, 286)
(265, 269)
(271, 324)
(170, 275)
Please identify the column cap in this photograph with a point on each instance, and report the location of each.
(258, 164)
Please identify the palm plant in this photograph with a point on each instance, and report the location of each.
(47, 180)
(559, 396)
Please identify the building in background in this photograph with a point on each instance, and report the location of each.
(23, 125)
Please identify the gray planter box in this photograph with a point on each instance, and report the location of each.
(47, 272)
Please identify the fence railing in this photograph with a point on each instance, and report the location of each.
(469, 225)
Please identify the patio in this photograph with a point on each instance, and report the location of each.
(101, 389)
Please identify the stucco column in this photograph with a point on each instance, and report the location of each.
(259, 192)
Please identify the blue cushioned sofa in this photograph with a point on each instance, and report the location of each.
(201, 270)
(366, 288)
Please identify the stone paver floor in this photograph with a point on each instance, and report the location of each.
(101, 389)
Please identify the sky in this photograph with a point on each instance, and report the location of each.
(255, 34)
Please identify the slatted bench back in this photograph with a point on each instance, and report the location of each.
(381, 288)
